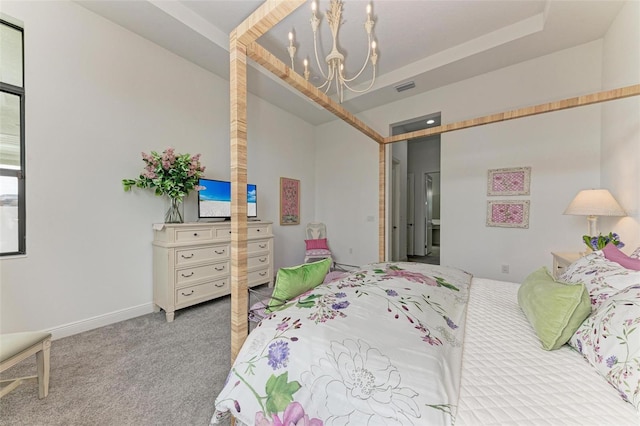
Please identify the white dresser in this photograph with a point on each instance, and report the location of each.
(192, 262)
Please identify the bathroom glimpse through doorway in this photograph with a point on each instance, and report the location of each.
(417, 168)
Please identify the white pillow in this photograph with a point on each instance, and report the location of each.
(636, 253)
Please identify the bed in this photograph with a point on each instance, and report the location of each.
(253, 394)
(416, 344)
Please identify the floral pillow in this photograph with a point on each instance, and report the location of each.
(602, 277)
(610, 340)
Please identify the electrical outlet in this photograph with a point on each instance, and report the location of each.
(505, 269)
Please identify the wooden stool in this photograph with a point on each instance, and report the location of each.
(16, 347)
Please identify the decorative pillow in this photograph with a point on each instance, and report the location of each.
(320, 243)
(635, 254)
(334, 276)
(610, 340)
(601, 276)
(317, 253)
(613, 253)
(554, 309)
(292, 282)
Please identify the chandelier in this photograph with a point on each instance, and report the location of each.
(335, 64)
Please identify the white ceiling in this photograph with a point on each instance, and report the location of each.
(430, 42)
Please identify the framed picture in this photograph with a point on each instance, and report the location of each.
(289, 201)
(512, 181)
(508, 213)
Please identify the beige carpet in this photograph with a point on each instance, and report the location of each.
(142, 371)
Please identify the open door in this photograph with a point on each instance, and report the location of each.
(411, 187)
(428, 214)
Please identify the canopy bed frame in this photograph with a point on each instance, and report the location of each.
(243, 44)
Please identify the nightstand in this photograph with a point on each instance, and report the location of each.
(562, 260)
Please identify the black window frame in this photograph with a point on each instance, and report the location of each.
(19, 174)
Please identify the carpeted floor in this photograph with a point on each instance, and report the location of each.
(142, 371)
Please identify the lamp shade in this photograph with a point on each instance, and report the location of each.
(594, 202)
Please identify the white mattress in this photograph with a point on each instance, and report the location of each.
(508, 378)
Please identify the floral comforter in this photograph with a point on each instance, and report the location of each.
(382, 346)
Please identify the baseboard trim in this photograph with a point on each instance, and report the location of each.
(76, 327)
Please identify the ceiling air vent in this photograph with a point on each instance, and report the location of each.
(405, 86)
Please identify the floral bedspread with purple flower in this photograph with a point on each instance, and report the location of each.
(381, 346)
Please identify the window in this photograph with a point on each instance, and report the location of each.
(12, 199)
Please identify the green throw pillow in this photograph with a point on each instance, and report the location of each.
(554, 309)
(292, 282)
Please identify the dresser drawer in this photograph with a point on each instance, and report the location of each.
(191, 255)
(257, 246)
(196, 292)
(187, 275)
(193, 235)
(257, 231)
(259, 276)
(223, 232)
(258, 261)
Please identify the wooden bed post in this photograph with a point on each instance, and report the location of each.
(592, 98)
(239, 282)
(382, 169)
(259, 22)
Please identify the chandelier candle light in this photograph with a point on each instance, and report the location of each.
(335, 59)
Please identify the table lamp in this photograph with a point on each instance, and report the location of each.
(593, 203)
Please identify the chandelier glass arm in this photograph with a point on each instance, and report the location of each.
(366, 61)
(315, 48)
(373, 79)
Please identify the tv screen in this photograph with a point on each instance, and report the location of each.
(214, 201)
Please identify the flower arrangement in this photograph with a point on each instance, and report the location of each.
(171, 174)
(599, 242)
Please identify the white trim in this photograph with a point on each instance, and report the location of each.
(72, 328)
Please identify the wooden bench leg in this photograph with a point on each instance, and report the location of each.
(42, 359)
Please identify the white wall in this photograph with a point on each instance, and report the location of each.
(562, 148)
(347, 191)
(96, 96)
(621, 125)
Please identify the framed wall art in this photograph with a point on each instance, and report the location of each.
(289, 201)
(508, 213)
(511, 181)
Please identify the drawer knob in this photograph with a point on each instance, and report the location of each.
(187, 257)
(262, 245)
(187, 276)
(187, 294)
(219, 252)
(263, 259)
(222, 284)
(262, 274)
(221, 268)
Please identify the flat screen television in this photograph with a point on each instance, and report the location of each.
(214, 201)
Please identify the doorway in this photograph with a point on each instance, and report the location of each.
(419, 201)
(432, 217)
